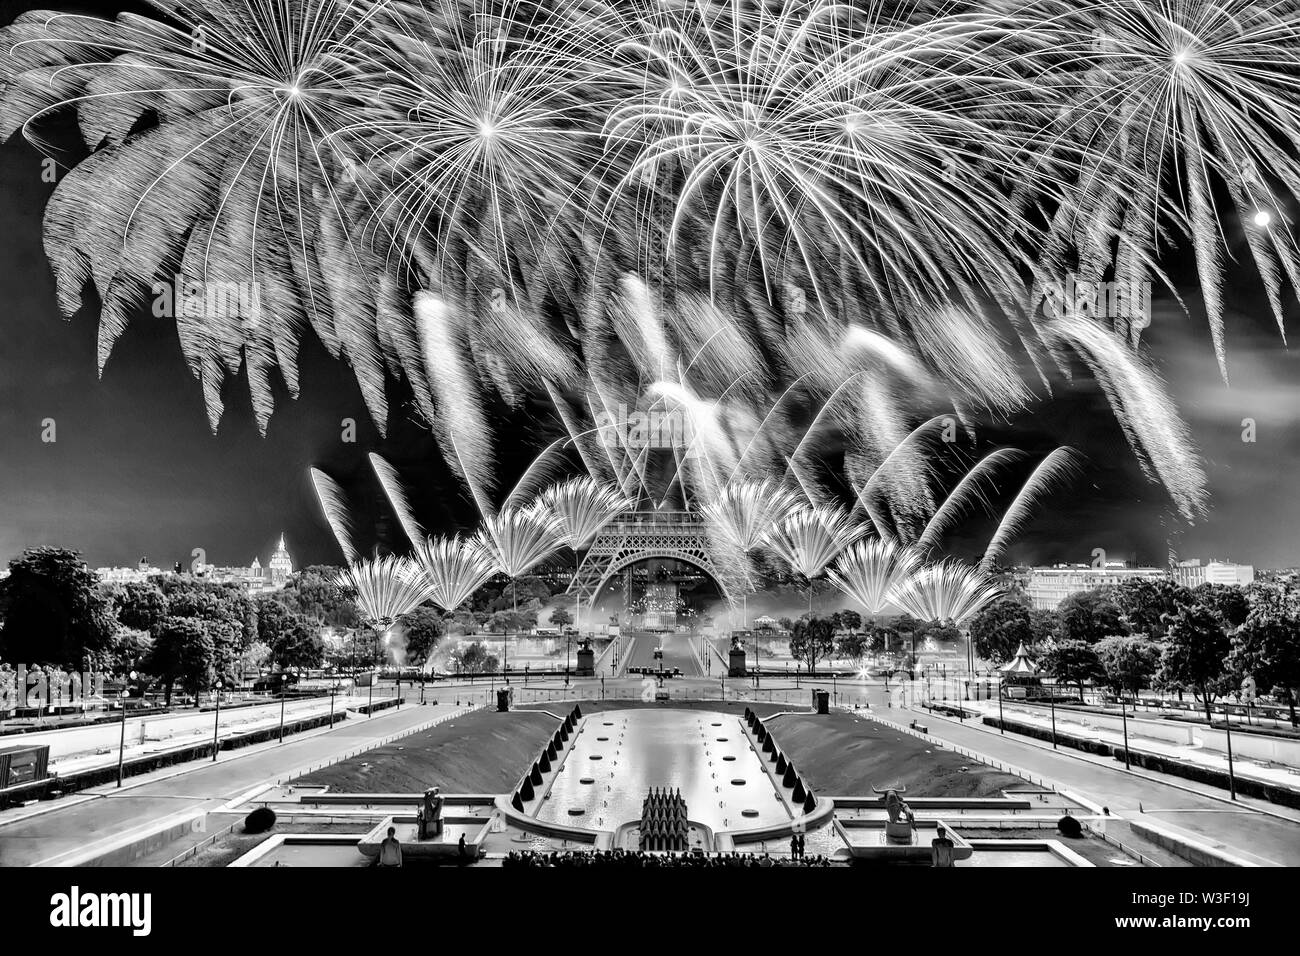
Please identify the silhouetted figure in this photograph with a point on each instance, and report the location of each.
(390, 851)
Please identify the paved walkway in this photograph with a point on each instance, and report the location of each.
(59, 832)
(1240, 829)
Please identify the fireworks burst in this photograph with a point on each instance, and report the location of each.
(384, 589)
(945, 591)
(454, 568)
(812, 537)
(868, 571)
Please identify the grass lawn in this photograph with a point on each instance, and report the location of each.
(481, 752)
(845, 755)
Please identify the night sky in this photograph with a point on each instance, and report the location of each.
(135, 470)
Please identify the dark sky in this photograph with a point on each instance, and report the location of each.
(135, 470)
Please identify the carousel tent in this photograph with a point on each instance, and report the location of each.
(1022, 665)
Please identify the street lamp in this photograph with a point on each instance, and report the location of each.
(1052, 701)
(1002, 727)
(216, 724)
(1227, 728)
(121, 748)
(1123, 716)
(284, 682)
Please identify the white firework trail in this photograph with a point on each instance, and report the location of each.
(1156, 433)
(967, 496)
(391, 482)
(334, 505)
(1051, 473)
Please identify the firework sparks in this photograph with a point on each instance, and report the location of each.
(868, 571)
(454, 568)
(945, 591)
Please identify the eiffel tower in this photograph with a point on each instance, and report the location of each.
(638, 535)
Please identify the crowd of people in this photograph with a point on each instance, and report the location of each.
(641, 858)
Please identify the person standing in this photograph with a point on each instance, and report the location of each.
(801, 845)
(390, 851)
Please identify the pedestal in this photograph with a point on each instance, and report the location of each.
(586, 662)
(736, 662)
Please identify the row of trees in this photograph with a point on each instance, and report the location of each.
(183, 631)
(1157, 633)
(193, 634)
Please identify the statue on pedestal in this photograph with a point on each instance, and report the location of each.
(900, 827)
(430, 815)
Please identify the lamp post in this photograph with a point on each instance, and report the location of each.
(1123, 716)
(1227, 728)
(334, 688)
(216, 725)
(1002, 729)
(284, 687)
(121, 748)
(1052, 701)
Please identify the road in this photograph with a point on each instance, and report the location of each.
(64, 832)
(82, 748)
(677, 648)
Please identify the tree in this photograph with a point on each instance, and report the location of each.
(1227, 600)
(474, 659)
(1147, 603)
(1044, 626)
(560, 617)
(882, 638)
(1195, 654)
(1089, 616)
(182, 654)
(298, 645)
(130, 648)
(850, 620)
(1267, 648)
(1072, 662)
(141, 605)
(999, 629)
(853, 646)
(1130, 662)
(312, 594)
(254, 658)
(812, 639)
(423, 628)
(52, 610)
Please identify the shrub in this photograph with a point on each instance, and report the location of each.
(260, 820)
(1069, 827)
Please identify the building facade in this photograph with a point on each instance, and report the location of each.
(1193, 573)
(1048, 587)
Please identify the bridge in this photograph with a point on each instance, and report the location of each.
(641, 535)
